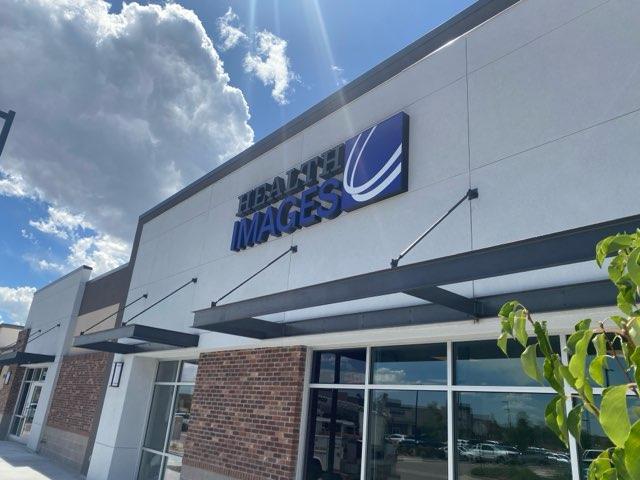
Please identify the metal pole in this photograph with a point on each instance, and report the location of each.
(471, 194)
(4, 133)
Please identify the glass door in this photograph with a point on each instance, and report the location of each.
(27, 404)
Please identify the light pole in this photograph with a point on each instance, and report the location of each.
(4, 133)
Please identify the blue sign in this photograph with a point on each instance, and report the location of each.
(375, 163)
(369, 167)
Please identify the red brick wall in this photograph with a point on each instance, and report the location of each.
(76, 403)
(9, 393)
(246, 413)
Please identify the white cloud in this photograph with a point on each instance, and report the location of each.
(271, 65)
(61, 223)
(230, 30)
(338, 75)
(13, 185)
(47, 266)
(388, 375)
(114, 113)
(15, 303)
(100, 252)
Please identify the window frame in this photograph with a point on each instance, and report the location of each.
(449, 387)
(175, 384)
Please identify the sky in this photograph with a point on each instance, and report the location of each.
(119, 105)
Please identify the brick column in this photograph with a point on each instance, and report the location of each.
(9, 393)
(75, 408)
(246, 415)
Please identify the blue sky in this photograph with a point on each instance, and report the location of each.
(64, 198)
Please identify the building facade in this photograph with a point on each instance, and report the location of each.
(270, 325)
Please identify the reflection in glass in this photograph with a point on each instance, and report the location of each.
(593, 440)
(410, 365)
(167, 371)
(335, 434)
(340, 366)
(407, 435)
(180, 421)
(159, 417)
(150, 466)
(188, 371)
(504, 435)
(483, 363)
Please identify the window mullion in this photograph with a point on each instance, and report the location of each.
(450, 414)
(365, 416)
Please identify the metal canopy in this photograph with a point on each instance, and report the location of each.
(149, 338)
(580, 295)
(423, 279)
(24, 358)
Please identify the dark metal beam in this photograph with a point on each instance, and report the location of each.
(251, 328)
(568, 297)
(562, 248)
(24, 358)
(448, 299)
(107, 340)
(4, 133)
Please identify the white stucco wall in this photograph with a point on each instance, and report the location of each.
(56, 303)
(537, 108)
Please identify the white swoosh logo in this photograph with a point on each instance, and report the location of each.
(360, 193)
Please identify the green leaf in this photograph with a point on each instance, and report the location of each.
(552, 373)
(566, 374)
(600, 465)
(600, 344)
(583, 324)
(632, 451)
(574, 422)
(597, 369)
(633, 266)
(617, 457)
(626, 297)
(635, 359)
(520, 328)
(508, 308)
(540, 330)
(554, 421)
(614, 417)
(577, 363)
(616, 268)
(529, 360)
(502, 343)
(612, 244)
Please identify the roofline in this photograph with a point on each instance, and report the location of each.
(106, 274)
(12, 326)
(58, 280)
(462, 23)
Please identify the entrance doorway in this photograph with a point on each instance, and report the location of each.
(27, 403)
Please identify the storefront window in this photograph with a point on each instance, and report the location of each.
(335, 437)
(504, 435)
(340, 366)
(159, 417)
(417, 413)
(593, 441)
(483, 363)
(168, 421)
(407, 438)
(410, 365)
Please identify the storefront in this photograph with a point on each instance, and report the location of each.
(323, 305)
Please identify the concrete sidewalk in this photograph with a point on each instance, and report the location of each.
(18, 463)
